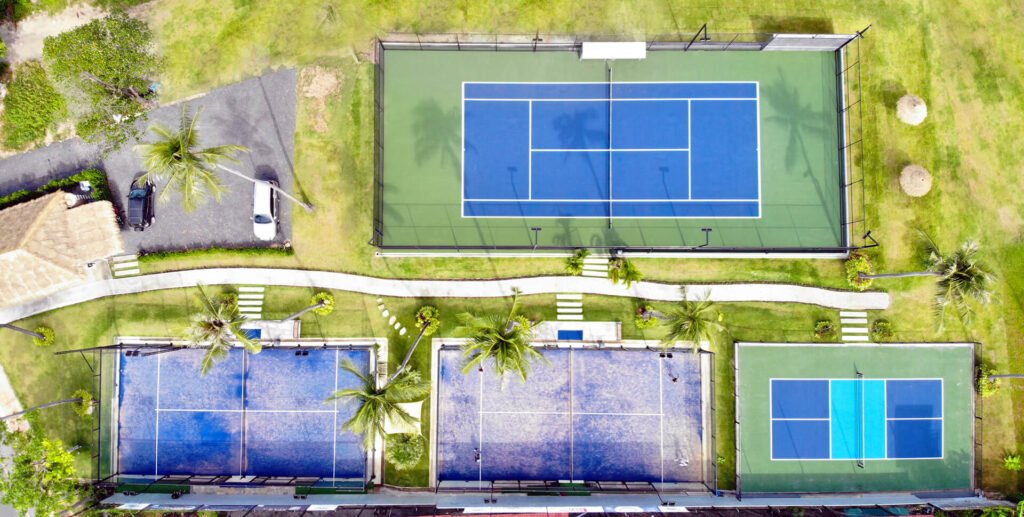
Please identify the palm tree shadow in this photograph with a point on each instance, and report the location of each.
(438, 134)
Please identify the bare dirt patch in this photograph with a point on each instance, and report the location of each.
(317, 84)
(25, 40)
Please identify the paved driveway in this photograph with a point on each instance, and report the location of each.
(258, 113)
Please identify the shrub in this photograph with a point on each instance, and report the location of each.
(32, 106)
(3, 50)
(574, 264)
(986, 387)
(429, 317)
(825, 330)
(1012, 462)
(48, 336)
(645, 318)
(403, 450)
(328, 301)
(881, 330)
(621, 269)
(859, 263)
(83, 408)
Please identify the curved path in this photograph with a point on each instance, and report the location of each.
(445, 288)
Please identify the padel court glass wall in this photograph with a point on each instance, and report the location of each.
(253, 420)
(855, 418)
(481, 148)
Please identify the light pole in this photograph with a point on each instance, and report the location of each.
(536, 236)
(707, 237)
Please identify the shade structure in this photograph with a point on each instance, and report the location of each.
(911, 109)
(915, 180)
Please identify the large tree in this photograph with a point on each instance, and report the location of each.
(105, 69)
(216, 327)
(40, 473)
(380, 402)
(692, 321)
(505, 340)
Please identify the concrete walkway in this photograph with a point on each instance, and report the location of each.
(846, 300)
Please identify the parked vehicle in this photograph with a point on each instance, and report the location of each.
(140, 205)
(264, 210)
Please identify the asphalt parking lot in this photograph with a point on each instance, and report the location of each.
(257, 113)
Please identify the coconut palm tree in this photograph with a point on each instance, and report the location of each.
(504, 340)
(621, 269)
(216, 327)
(692, 321)
(174, 158)
(378, 404)
(961, 278)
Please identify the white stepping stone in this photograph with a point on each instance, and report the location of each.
(569, 304)
(385, 313)
(570, 310)
(596, 274)
(391, 321)
(124, 258)
(402, 331)
(853, 314)
(250, 296)
(570, 317)
(133, 264)
(127, 272)
(855, 338)
(251, 289)
(568, 296)
(853, 321)
(855, 330)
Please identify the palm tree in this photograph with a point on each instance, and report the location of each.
(216, 327)
(378, 404)
(621, 269)
(175, 158)
(692, 321)
(961, 278)
(503, 339)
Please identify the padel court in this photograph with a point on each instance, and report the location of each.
(855, 418)
(588, 415)
(611, 150)
(251, 416)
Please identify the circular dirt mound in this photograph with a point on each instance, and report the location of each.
(911, 109)
(915, 180)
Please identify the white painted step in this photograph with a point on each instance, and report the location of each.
(127, 272)
(855, 338)
(565, 310)
(569, 304)
(853, 314)
(855, 330)
(250, 303)
(853, 321)
(570, 317)
(595, 261)
(568, 296)
(124, 258)
(134, 264)
(252, 315)
(251, 289)
(255, 308)
(248, 296)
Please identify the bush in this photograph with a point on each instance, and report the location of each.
(428, 316)
(644, 318)
(3, 50)
(403, 450)
(83, 408)
(96, 177)
(881, 330)
(32, 106)
(574, 264)
(153, 256)
(986, 387)
(825, 330)
(328, 301)
(855, 265)
(48, 336)
(1012, 462)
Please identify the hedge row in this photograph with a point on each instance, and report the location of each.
(96, 177)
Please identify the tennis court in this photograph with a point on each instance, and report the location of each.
(251, 415)
(824, 418)
(591, 415)
(505, 150)
(610, 150)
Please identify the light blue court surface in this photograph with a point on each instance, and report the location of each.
(598, 150)
(856, 419)
(251, 415)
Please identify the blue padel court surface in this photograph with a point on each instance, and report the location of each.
(251, 415)
(611, 150)
(589, 415)
(856, 419)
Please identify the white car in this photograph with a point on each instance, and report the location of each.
(264, 210)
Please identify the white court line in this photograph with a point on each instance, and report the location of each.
(618, 99)
(156, 450)
(661, 409)
(617, 200)
(185, 410)
(334, 461)
(689, 145)
(614, 150)
(572, 425)
(529, 166)
(241, 442)
(480, 436)
(578, 413)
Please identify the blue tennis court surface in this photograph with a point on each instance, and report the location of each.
(251, 415)
(856, 419)
(591, 415)
(620, 150)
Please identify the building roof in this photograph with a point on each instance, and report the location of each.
(45, 245)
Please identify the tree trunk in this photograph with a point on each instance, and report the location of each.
(23, 331)
(866, 276)
(42, 406)
(408, 355)
(130, 93)
(303, 311)
(307, 206)
(1006, 376)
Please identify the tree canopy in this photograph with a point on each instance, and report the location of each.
(40, 473)
(105, 68)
